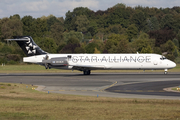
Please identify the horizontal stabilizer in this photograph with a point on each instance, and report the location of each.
(17, 39)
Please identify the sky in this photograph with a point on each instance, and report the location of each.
(58, 8)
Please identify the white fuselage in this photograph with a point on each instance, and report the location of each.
(108, 61)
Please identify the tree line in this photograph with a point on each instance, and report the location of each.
(119, 29)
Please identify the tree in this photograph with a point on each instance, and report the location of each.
(100, 35)
(60, 47)
(143, 42)
(119, 5)
(123, 46)
(80, 50)
(147, 49)
(51, 21)
(71, 17)
(176, 53)
(109, 30)
(90, 48)
(167, 22)
(72, 46)
(16, 16)
(139, 20)
(162, 36)
(69, 21)
(81, 11)
(152, 24)
(157, 50)
(13, 57)
(47, 44)
(96, 51)
(176, 23)
(118, 15)
(176, 43)
(113, 49)
(61, 19)
(57, 33)
(81, 23)
(11, 27)
(73, 34)
(28, 26)
(116, 29)
(170, 48)
(87, 35)
(92, 28)
(132, 31)
(114, 40)
(73, 40)
(6, 49)
(40, 27)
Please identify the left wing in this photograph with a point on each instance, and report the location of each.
(88, 67)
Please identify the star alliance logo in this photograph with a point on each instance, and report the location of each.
(30, 47)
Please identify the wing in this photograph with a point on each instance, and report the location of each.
(88, 67)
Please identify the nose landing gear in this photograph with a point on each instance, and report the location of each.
(166, 71)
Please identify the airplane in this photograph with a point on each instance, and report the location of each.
(88, 62)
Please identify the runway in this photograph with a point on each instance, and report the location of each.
(120, 85)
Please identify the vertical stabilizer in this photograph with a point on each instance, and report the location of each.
(27, 44)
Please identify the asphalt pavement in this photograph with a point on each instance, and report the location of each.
(121, 85)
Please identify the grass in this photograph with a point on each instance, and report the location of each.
(41, 69)
(2, 87)
(175, 89)
(28, 69)
(19, 102)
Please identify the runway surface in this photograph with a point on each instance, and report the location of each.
(121, 85)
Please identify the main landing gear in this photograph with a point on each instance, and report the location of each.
(166, 71)
(87, 72)
(46, 66)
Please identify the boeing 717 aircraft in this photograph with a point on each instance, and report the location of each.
(88, 62)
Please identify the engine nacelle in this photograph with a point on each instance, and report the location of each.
(55, 62)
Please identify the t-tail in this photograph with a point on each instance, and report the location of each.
(27, 44)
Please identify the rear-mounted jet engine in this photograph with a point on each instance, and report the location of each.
(55, 62)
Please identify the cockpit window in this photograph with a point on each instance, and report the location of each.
(163, 58)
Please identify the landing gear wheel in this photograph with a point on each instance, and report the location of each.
(165, 72)
(87, 72)
(46, 65)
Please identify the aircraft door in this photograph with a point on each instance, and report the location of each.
(69, 57)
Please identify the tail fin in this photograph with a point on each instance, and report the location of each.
(27, 44)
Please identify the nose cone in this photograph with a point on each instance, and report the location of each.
(172, 64)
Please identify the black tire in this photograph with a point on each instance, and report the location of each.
(87, 72)
(46, 65)
(165, 72)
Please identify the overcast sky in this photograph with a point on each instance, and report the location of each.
(38, 8)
